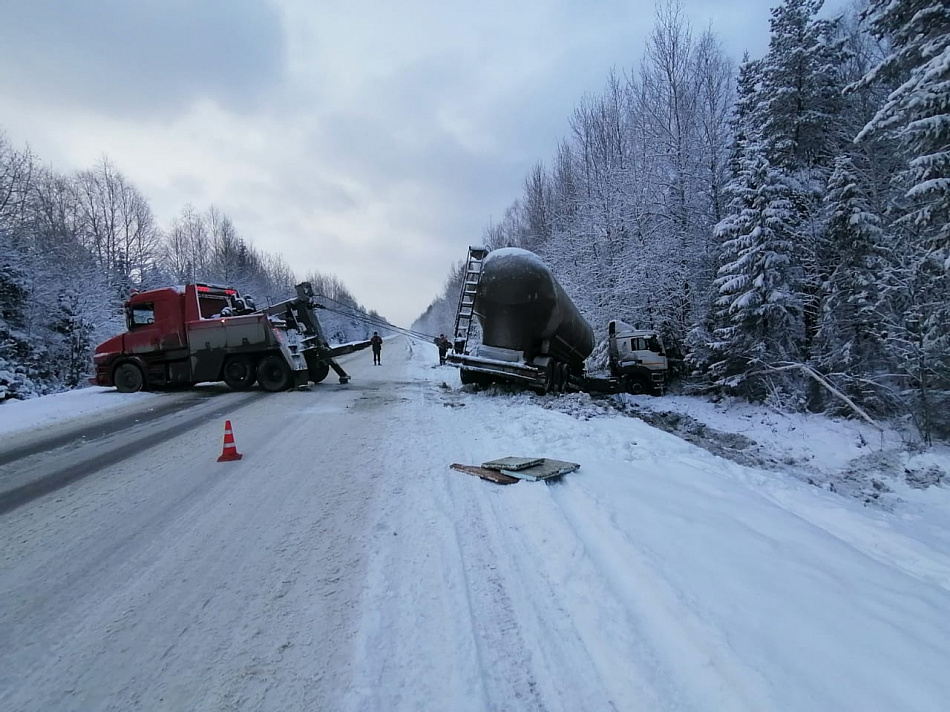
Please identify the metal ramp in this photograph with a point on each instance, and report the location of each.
(466, 308)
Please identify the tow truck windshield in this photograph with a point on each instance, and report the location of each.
(140, 315)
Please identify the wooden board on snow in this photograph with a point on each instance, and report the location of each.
(485, 473)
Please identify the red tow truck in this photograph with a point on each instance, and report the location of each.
(180, 336)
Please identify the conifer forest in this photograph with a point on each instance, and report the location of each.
(783, 220)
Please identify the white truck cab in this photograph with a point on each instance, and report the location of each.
(637, 356)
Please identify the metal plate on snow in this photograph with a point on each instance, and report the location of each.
(543, 471)
(513, 463)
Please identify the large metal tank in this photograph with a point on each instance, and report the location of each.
(522, 307)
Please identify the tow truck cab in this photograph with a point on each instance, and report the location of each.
(180, 335)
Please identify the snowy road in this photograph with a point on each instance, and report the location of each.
(35, 464)
(342, 566)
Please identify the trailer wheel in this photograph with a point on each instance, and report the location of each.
(565, 377)
(239, 373)
(549, 381)
(128, 378)
(273, 374)
(468, 377)
(551, 377)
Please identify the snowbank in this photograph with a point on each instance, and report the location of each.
(17, 416)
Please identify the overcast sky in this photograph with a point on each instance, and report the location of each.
(369, 139)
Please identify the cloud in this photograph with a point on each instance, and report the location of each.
(374, 140)
(141, 57)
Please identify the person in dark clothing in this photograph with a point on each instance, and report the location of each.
(377, 343)
(444, 346)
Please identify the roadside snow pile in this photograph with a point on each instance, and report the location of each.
(21, 415)
(849, 457)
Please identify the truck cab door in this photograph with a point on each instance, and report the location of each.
(144, 334)
(171, 326)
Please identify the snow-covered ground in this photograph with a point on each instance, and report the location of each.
(880, 466)
(18, 416)
(658, 576)
(342, 565)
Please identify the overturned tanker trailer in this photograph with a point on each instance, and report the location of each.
(532, 333)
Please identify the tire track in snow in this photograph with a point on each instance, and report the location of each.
(684, 662)
(581, 613)
(503, 653)
(495, 625)
(533, 628)
(693, 654)
(576, 623)
(469, 652)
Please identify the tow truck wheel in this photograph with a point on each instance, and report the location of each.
(467, 377)
(239, 373)
(273, 374)
(128, 378)
(319, 371)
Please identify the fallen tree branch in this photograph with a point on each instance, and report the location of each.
(824, 382)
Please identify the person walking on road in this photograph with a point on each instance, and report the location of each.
(377, 343)
(444, 346)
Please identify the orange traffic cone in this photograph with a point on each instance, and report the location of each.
(230, 452)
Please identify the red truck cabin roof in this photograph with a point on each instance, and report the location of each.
(200, 301)
(153, 295)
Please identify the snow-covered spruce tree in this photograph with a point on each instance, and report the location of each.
(759, 309)
(746, 131)
(801, 87)
(915, 334)
(13, 295)
(850, 346)
(802, 130)
(917, 113)
(745, 122)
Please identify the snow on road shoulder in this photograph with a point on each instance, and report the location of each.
(880, 468)
(660, 575)
(17, 416)
(849, 456)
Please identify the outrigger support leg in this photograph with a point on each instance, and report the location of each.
(344, 377)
